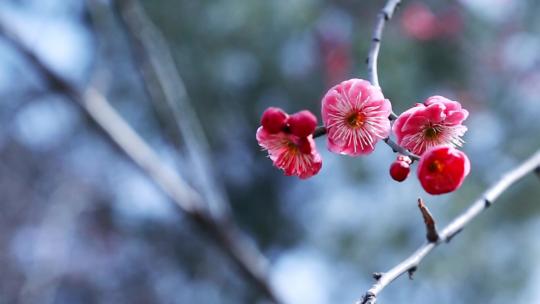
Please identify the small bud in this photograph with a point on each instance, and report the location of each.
(274, 120)
(399, 170)
(302, 123)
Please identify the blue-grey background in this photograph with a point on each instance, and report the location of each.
(80, 224)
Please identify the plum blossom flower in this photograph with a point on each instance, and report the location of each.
(438, 121)
(293, 154)
(355, 114)
(442, 169)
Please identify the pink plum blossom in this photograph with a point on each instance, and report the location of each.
(293, 154)
(355, 114)
(435, 122)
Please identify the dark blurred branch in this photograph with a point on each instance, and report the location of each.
(168, 93)
(410, 264)
(167, 89)
(117, 130)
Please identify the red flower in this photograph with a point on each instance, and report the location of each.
(289, 141)
(355, 114)
(442, 169)
(438, 121)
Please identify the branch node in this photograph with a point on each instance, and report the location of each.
(386, 15)
(487, 203)
(537, 171)
(411, 271)
(377, 275)
(431, 230)
(368, 298)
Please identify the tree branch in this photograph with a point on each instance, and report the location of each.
(454, 227)
(373, 55)
(399, 149)
(385, 14)
(168, 92)
(321, 130)
(118, 132)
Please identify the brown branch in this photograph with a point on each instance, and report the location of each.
(118, 132)
(411, 263)
(431, 230)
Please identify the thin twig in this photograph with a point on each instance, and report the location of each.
(319, 131)
(385, 14)
(399, 149)
(118, 131)
(372, 59)
(455, 226)
(431, 229)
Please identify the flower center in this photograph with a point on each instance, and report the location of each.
(355, 120)
(436, 166)
(292, 146)
(431, 132)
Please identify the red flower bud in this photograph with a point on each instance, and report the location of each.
(442, 169)
(303, 123)
(399, 170)
(274, 120)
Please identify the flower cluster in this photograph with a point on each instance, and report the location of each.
(356, 116)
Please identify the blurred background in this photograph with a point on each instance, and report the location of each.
(79, 223)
